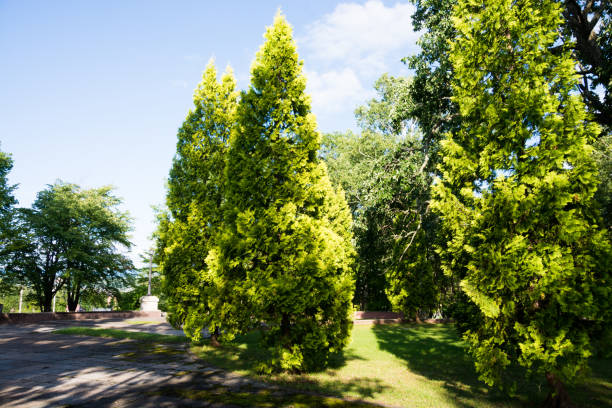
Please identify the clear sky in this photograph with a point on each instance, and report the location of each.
(93, 92)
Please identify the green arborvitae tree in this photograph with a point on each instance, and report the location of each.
(195, 195)
(516, 193)
(283, 261)
(586, 29)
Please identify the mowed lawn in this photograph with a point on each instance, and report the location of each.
(407, 365)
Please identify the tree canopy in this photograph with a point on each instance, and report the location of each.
(70, 238)
(284, 254)
(7, 200)
(384, 171)
(195, 195)
(516, 195)
(585, 29)
(7, 212)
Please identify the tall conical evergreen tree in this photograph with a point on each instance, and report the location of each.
(516, 195)
(284, 257)
(195, 195)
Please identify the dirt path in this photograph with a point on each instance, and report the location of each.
(41, 369)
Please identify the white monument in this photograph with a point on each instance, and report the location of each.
(149, 302)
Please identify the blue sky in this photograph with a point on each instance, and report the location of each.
(93, 93)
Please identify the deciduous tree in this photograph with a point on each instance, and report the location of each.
(7, 212)
(70, 237)
(354, 160)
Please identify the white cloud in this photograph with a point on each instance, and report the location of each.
(363, 34)
(346, 50)
(333, 90)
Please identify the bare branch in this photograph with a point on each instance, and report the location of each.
(412, 239)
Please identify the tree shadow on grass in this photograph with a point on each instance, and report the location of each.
(437, 353)
(595, 390)
(244, 353)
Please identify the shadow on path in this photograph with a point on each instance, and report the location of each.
(41, 369)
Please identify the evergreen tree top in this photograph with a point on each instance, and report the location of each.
(209, 90)
(274, 119)
(277, 63)
(202, 136)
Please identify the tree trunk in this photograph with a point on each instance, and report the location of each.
(214, 338)
(285, 330)
(417, 319)
(73, 297)
(72, 304)
(47, 307)
(558, 396)
(47, 300)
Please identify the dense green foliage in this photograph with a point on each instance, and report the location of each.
(7, 210)
(353, 161)
(603, 158)
(195, 195)
(384, 171)
(400, 226)
(7, 202)
(388, 113)
(585, 28)
(516, 195)
(430, 92)
(283, 258)
(69, 239)
(406, 229)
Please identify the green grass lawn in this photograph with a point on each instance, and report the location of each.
(145, 322)
(399, 365)
(406, 365)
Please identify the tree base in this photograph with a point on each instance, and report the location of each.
(214, 342)
(558, 397)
